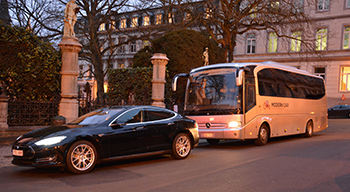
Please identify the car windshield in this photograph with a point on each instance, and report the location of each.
(213, 92)
(96, 117)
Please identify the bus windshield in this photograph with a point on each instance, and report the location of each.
(213, 92)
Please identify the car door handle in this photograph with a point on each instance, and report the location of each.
(138, 128)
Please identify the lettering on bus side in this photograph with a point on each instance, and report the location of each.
(275, 105)
(280, 105)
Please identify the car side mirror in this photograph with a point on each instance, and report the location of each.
(117, 125)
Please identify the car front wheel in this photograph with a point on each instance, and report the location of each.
(81, 157)
(181, 146)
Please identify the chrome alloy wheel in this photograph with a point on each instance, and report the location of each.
(183, 146)
(82, 157)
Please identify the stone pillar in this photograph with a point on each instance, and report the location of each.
(69, 108)
(159, 61)
(3, 111)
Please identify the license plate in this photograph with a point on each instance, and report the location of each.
(207, 134)
(16, 152)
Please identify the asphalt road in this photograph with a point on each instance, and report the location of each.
(320, 163)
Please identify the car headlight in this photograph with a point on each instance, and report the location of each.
(50, 140)
(234, 124)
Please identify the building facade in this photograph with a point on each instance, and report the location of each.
(331, 59)
(331, 33)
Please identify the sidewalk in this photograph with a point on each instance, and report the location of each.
(5, 155)
(7, 137)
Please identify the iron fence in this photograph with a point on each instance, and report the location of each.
(33, 113)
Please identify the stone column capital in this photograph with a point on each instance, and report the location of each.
(70, 44)
(159, 59)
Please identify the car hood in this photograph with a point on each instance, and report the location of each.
(48, 132)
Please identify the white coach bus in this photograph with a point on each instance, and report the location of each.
(254, 101)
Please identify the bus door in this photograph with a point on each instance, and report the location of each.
(249, 105)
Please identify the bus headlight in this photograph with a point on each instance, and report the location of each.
(234, 124)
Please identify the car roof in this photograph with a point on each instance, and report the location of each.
(136, 106)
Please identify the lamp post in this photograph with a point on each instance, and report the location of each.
(159, 61)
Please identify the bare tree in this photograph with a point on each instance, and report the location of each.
(42, 17)
(98, 29)
(225, 20)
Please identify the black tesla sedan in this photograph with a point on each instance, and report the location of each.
(106, 134)
(339, 111)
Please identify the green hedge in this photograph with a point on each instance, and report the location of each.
(29, 67)
(122, 82)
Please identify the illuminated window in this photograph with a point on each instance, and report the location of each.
(170, 18)
(346, 41)
(121, 65)
(345, 79)
(321, 39)
(159, 19)
(295, 42)
(252, 12)
(251, 43)
(272, 46)
(102, 27)
(188, 16)
(323, 5)
(146, 43)
(146, 21)
(209, 13)
(113, 25)
(275, 5)
(123, 23)
(134, 22)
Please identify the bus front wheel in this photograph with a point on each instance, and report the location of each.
(309, 129)
(263, 136)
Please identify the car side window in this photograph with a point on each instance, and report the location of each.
(133, 116)
(157, 114)
(336, 107)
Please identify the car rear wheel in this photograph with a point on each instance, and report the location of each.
(263, 135)
(181, 146)
(81, 157)
(309, 129)
(213, 141)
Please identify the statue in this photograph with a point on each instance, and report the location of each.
(70, 17)
(205, 56)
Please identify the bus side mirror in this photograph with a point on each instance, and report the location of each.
(239, 75)
(176, 77)
(239, 78)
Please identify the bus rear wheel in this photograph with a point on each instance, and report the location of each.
(263, 136)
(309, 129)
